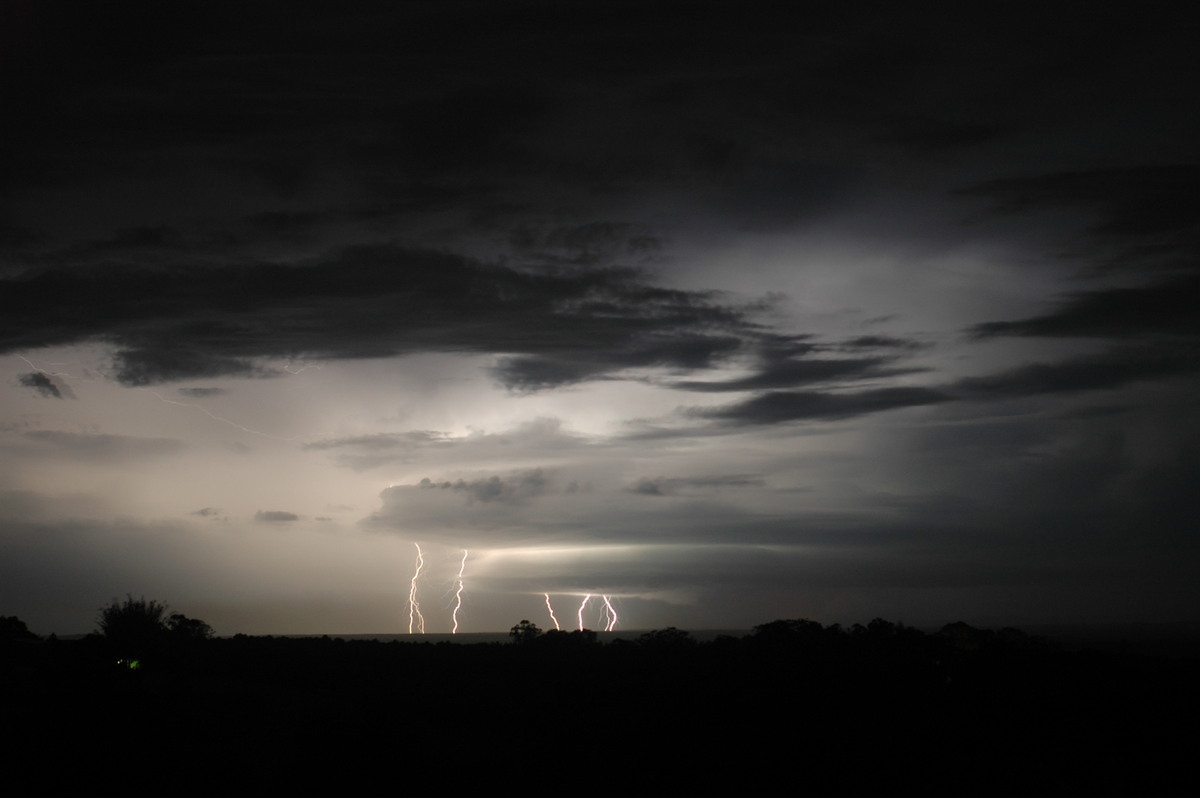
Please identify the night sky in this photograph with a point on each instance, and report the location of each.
(727, 311)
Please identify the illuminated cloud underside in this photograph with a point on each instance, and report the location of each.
(714, 323)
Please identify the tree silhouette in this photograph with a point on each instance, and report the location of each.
(524, 632)
(134, 624)
(558, 639)
(666, 638)
(13, 628)
(182, 627)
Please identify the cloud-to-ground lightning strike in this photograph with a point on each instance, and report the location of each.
(610, 612)
(610, 615)
(462, 567)
(582, 605)
(551, 611)
(414, 609)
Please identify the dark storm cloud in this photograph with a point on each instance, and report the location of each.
(1143, 219)
(45, 385)
(1144, 222)
(1150, 199)
(439, 102)
(535, 373)
(453, 101)
(275, 516)
(585, 244)
(512, 488)
(671, 486)
(783, 406)
(682, 352)
(881, 342)
(1114, 368)
(432, 111)
(793, 373)
(378, 301)
(410, 89)
(1111, 369)
(152, 362)
(1168, 307)
(780, 361)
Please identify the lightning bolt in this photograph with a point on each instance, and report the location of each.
(165, 400)
(610, 615)
(215, 417)
(586, 599)
(42, 370)
(414, 609)
(551, 611)
(462, 567)
(287, 366)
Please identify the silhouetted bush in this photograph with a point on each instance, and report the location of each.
(182, 627)
(133, 624)
(666, 638)
(558, 639)
(13, 628)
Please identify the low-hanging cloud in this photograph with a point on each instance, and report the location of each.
(46, 385)
(1162, 308)
(784, 406)
(1114, 368)
(671, 486)
(511, 488)
(207, 512)
(275, 516)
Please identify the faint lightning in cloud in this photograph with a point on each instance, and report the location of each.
(584, 604)
(215, 417)
(42, 370)
(414, 609)
(462, 567)
(610, 615)
(287, 366)
(46, 383)
(551, 611)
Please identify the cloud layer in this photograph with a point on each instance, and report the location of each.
(724, 315)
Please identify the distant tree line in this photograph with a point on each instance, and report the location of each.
(845, 710)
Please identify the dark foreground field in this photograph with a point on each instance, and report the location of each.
(793, 707)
